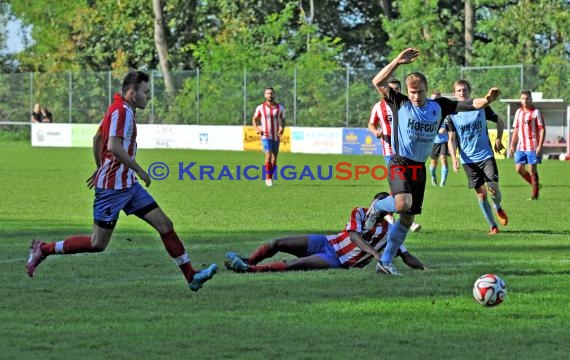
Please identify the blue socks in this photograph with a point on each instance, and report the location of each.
(497, 199)
(396, 236)
(432, 171)
(486, 208)
(444, 170)
(387, 205)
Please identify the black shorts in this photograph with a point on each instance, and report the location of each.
(408, 177)
(481, 172)
(438, 150)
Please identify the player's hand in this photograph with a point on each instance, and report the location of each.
(91, 179)
(408, 55)
(493, 94)
(539, 150)
(455, 165)
(499, 146)
(512, 151)
(143, 175)
(258, 129)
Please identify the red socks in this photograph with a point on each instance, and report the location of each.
(268, 170)
(72, 245)
(176, 250)
(526, 177)
(275, 266)
(262, 252)
(534, 185)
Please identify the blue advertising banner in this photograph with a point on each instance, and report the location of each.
(360, 141)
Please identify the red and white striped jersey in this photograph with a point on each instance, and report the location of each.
(528, 123)
(348, 253)
(119, 121)
(269, 115)
(382, 115)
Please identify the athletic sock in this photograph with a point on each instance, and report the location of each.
(487, 213)
(274, 266)
(497, 199)
(261, 253)
(176, 250)
(387, 205)
(396, 236)
(534, 182)
(268, 170)
(72, 245)
(432, 171)
(526, 177)
(444, 171)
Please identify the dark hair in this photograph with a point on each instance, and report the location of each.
(526, 92)
(268, 88)
(462, 82)
(395, 81)
(381, 195)
(133, 79)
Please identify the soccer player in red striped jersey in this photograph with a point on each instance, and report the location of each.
(117, 188)
(352, 248)
(380, 125)
(271, 117)
(527, 141)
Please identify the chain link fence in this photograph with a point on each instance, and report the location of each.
(311, 97)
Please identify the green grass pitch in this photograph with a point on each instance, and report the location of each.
(131, 301)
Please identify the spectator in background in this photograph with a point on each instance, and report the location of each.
(527, 141)
(47, 117)
(36, 114)
(435, 94)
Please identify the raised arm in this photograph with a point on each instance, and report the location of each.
(405, 57)
(492, 95)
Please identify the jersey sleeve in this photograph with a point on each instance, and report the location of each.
(119, 122)
(450, 107)
(257, 113)
(539, 119)
(355, 221)
(282, 110)
(374, 118)
(491, 115)
(450, 124)
(515, 121)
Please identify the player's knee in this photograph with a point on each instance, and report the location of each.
(274, 244)
(165, 226)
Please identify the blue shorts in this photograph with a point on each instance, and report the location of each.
(527, 157)
(270, 145)
(109, 202)
(320, 246)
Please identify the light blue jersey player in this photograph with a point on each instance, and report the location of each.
(416, 122)
(468, 131)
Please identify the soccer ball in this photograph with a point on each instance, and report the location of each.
(489, 290)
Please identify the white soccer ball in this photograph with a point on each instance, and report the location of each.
(562, 157)
(489, 290)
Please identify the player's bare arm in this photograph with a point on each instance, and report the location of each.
(499, 142)
(492, 95)
(451, 143)
(541, 135)
(357, 239)
(514, 142)
(405, 57)
(257, 127)
(374, 130)
(116, 148)
(97, 147)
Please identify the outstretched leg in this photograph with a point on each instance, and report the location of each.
(294, 245)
